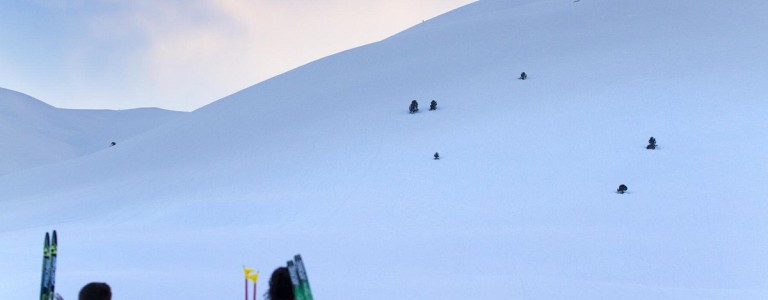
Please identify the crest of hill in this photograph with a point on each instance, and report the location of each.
(36, 134)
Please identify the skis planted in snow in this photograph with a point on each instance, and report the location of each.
(297, 293)
(301, 289)
(48, 281)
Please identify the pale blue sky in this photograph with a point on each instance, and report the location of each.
(180, 54)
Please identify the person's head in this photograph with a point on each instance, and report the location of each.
(95, 291)
(280, 286)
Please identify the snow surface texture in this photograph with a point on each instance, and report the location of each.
(326, 161)
(35, 134)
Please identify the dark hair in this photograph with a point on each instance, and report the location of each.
(95, 291)
(280, 286)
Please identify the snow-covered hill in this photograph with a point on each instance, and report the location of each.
(36, 134)
(325, 161)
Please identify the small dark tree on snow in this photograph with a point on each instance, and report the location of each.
(622, 189)
(651, 144)
(414, 106)
(437, 156)
(433, 105)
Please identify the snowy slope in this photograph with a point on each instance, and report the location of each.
(36, 134)
(325, 160)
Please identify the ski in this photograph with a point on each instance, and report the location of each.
(297, 293)
(48, 281)
(303, 279)
(44, 291)
(52, 277)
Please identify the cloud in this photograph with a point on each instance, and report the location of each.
(183, 54)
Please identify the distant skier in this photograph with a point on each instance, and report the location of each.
(433, 105)
(523, 76)
(622, 189)
(414, 107)
(651, 144)
(437, 156)
(112, 144)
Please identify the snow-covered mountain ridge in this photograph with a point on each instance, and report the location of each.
(35, 133)
(326, 161)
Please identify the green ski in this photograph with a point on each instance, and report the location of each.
(303, 279)
(45, 292)
(297, 293)
(52, 277)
